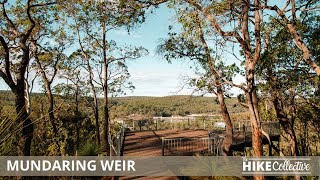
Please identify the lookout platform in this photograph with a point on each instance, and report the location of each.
(189, 142)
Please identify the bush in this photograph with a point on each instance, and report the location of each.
(89, 149)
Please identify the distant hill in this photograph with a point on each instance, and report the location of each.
(152, 106)
(171, 105)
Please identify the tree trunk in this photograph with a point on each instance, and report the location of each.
(95, 100)
(105, 91)
(23, 116)
(227, 142)
(305, 50)
(256, 132)
(252, 102)
(96, 116)
(19, 91)
(51, 115)
(106, 118)
(77, 115)
(287, 126)
(47, 85)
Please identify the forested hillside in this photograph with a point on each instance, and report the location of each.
(75, 119)
(171, 105)
(149, 106)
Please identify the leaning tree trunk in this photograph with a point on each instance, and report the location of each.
(51, 116)
(287, 126)
(95, 100)
(227, 142)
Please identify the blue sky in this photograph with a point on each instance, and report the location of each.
(152, 75)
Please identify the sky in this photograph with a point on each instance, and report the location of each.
(152, 75)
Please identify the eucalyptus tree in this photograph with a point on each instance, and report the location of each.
(281, 62)
(195, 43)
(293, 14)
(48, 57)
(94, 22)
(19, 21)
(85, 54)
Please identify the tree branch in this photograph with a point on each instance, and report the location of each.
(7, 75)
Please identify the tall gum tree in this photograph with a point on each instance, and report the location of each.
(47, 60)
(18, 24)
(192, 44)
(250, 45)
(95, 21)
(288, 14)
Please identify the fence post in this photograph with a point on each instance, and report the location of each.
(156, 124)
(119, 144)
(244, 134)
(133, 125)
(162, 148)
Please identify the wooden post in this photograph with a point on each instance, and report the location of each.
(156, 124)
(119, 145)
(162, 148)
(139, 122)
(244, 134)
(270, 149)
(133, 125)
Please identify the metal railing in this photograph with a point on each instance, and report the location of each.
(191, 146)
(244, 129)
(173, 123)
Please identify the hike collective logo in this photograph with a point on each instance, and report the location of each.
(276, 166)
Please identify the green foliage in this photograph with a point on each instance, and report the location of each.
(89, 149)
(170, 105)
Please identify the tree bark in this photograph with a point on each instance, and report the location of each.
(227, 142)
(105, 91)
(95, 101)
(302, 46)
(47, 85)
(19, 91)
(286, 124)
(51, 116)
(23, 116)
